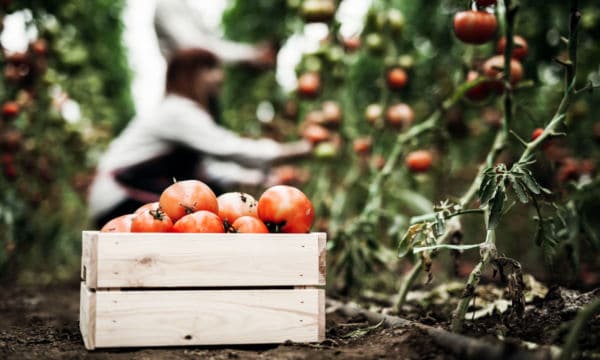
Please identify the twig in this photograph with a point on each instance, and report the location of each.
(462, 346)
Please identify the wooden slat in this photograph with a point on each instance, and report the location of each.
(207, 260)
(87, 316)
(89, 252)
(208, 317)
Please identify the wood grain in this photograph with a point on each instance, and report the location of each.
(87, 316)
(89, 252)
(205, 260)
(208, 317)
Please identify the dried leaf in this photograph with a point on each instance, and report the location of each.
(496, 210)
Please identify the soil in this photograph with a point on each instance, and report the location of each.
(42, 323)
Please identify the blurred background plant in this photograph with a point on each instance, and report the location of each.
(397, 52)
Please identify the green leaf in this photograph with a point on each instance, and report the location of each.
(519, 190)
(530, 182)
(487, 190)
(406, 243)
(496, 209)
(417, 250)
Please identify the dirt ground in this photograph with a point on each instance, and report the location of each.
(38, 323)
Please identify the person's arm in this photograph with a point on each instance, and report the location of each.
(178, 26)
(230, 174)
(181, 121)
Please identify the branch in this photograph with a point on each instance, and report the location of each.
(461, 346)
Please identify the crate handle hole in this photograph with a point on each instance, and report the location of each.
(188, 337)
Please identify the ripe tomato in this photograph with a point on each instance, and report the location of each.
(475, 27)
(419, 161)
(520, 48)
(119, 224)
(478, 92)
(568, 170)
(351, 43)
(151, 221)
(249, 224)
(10, 109)
(397, 78)
(536, 133)
(149, 206)
(39, 47)
(316, 133)
(484, 3)
(309, 84)
(199, 222)
(400, 115)
(236, 204)
(185, 197)
(373, 113)
(332, 113)
(286, 209)
(492, 66)
(362, 145)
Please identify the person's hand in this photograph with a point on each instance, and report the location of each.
(264, 56)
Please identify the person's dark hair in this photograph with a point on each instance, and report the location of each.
(182, 67)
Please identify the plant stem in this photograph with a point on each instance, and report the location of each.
(488, 253)
(407, 282)
(577, 326)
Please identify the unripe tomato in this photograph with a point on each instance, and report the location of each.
(199, 222)
(119, 224)
(373, 113)
(10, 109)
(249, 224)
(397, 78)
(484, 3)
(326, 150)
(396, 20)
(151, 221)
(309, 84)
(186, 197)
(318, 10)
(492, 66)
(475, 27)
(480, 91)
(332, 113)
(520, 47)
(315, 133)
(400, 115)
(419, 161)
(374, 42)
(362, 145)
(233, 205)
(536, 133)
(286, 209)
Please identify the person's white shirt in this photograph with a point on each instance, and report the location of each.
(179, 26)
(227, 158)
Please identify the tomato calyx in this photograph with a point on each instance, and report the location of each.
(275, 227)
(157, 214)
(229, 227)
(188, 209)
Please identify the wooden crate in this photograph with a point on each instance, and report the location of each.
(153, 289)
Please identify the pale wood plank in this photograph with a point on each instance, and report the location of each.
(207, 317)
(208, 260)
(89, 252)
(87, 316)
(322, 239)
(321, 330)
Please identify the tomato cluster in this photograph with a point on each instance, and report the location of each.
(191, 206)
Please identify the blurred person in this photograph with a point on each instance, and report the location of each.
(180, 26)
(181, 140)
